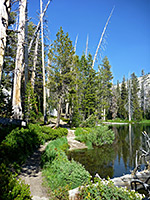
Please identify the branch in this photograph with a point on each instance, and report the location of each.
(76, 44)
(100, 41)
(37, 28)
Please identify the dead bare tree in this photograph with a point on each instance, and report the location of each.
(43, 64)
(129, 100)
(16, 100)
(38, 27)
(101, 38)
(86, 50)
(75, 46)
(35, 60)
(4, 13)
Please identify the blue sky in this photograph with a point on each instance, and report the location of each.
(127, 39)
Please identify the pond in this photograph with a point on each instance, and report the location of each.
(117, 159)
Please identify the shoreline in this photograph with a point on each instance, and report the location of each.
(116, 123)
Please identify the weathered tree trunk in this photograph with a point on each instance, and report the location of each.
(86, 50)
(16, 101)
(38, 27)
(75, 46)
(35, 60)
(26, 49)
(43, 65)
(129, 100)
(58, 112)
(4, 13)
(101, 38)
(67, 110)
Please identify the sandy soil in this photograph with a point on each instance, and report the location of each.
(74, 144)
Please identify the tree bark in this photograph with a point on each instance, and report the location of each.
(43, 65)
(101, 38)
(58, 112)
(26, 49)
(67, 110)
(35, 61)
(16, 101)
(4, 13)
(38, 27)
(129, 100)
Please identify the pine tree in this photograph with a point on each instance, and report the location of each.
(104, 88)
(30, 103)
(87, 86)
(114, 106)
(135, 99)
(61, 57)
(124, 99)
(118, 94)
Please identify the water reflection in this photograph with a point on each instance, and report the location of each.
(117, 159)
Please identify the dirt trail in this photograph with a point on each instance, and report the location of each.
(31, 170)
(32, 175)
(74, 144)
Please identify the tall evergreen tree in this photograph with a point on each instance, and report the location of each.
(143, 93)
(124, 99)
(87, 87)
(135, 99)
(104, 88)
(113, 105)
(61, 57)
(118, 94)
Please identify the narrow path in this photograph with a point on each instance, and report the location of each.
(32, 175)
(74, 144)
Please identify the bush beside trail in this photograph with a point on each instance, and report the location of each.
(97, 136)
(15, 148)
(61, 174)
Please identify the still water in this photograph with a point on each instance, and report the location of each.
(117, 159)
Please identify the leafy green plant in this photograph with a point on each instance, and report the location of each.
(11, 188)
(104, 189)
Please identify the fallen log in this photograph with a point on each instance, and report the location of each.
(9, 121)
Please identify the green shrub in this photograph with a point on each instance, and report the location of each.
(52, 134)
(80, 131)
(97, 136)
(107, 190)
(62, 172)
(11, 188)
(20, 142)
(59, 172)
